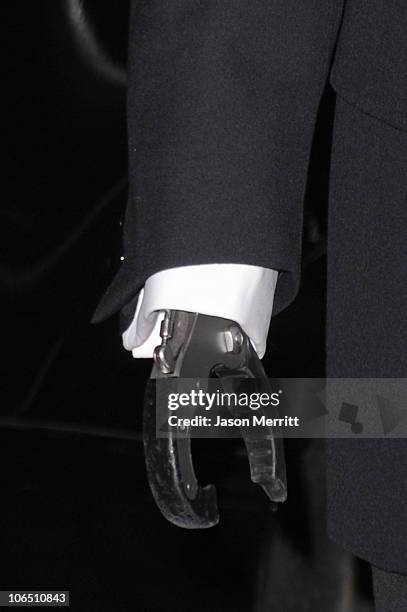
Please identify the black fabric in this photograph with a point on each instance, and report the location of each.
(367, 271)
(390, 591)
(370, 62)
(222, 103)
(367, 327)
(223, 99)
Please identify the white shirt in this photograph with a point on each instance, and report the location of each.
(238, 292)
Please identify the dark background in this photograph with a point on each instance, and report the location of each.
(76, 512)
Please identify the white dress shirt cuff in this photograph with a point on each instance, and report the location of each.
(238, 292)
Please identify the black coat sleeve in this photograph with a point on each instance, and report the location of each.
(222, 101)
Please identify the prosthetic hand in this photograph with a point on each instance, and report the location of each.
(200, 346)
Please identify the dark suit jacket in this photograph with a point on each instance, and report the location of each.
(222, 102)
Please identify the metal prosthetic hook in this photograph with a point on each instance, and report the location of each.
(199, 346)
